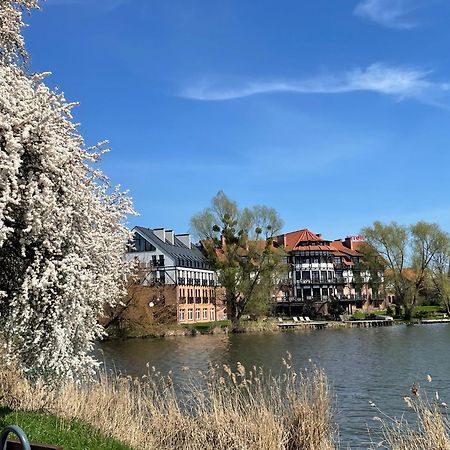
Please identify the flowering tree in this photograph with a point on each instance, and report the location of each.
(62, 234)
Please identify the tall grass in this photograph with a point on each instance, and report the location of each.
(431, 430)
(219, 409)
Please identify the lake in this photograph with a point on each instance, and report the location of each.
(376, 365)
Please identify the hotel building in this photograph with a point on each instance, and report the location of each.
(321, 271)
(169, 259)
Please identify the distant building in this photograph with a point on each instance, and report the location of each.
(169, 259)
(323, 271)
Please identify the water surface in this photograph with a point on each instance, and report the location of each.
(376, 365)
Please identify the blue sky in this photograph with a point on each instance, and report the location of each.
(336, 113)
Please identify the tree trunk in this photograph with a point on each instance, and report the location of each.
(233, 312)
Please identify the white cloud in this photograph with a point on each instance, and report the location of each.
(400, 82)
(389, 13)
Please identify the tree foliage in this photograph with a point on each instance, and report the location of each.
(240, 247)
(409, 255)
(62, 234)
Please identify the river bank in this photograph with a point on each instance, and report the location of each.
(271, 325)
(376, 365)
(221, 408)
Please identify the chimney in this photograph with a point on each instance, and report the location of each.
(348, 242)
(185, 239)
(319, 235)
(170, 236)
(160, 233)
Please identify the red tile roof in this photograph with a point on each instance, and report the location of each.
(338, 245)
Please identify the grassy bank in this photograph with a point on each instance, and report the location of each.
(69, 434)
(220, 409)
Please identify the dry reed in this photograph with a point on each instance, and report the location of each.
(430, 432)
(219, 409)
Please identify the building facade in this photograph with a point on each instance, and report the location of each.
(169, 259)
(323, 271)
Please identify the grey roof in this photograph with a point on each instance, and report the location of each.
(176, 250)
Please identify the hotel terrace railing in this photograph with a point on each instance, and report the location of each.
(315, 281)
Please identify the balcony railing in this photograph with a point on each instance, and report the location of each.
(197, 281)
(181, 280)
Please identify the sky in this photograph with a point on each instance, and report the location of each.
(335, 113)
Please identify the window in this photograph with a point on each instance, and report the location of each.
(182, 315)
(213, 314)
(323, 276)
(139, 244)
(205, 313)
(190, 317)
(197, 313)
(315, 275)
(306, 275)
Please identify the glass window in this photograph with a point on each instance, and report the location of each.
(205, 313)
(139, 244)
(197, 313)
(190, 316)
(182, 315)
(213, 314)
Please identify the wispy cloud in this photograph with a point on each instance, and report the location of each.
(400, 82)
(389, 13)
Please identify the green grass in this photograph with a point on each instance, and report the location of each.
(427, 309)
(358, 315)
(69, 434)
(204, 326)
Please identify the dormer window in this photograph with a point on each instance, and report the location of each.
(139, 244)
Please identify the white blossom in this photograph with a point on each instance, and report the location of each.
(62, 231)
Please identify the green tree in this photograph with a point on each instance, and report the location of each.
(240, 246)
(408, 253)
(440, 274)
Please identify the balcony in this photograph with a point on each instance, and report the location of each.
(204, 282)
(197, 281)
(198, 299)
(182, 299)
(190, 299)
(181, 280)
(212, 283)
(190, 281)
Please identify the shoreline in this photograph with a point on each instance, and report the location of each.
(159, 332)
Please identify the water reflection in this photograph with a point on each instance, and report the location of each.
(377, 365)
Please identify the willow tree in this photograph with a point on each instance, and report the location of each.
(408, 253)
(240, 246)
(439, 274)
(62, 235)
